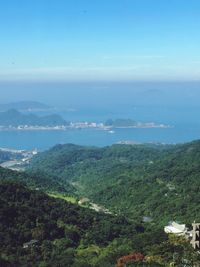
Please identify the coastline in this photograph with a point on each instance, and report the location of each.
(81, 126)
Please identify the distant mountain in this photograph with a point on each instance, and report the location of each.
(25, 106)
(15, 118)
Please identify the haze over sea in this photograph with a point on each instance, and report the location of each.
(173, 103)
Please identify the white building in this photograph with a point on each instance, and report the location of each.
(175, 228)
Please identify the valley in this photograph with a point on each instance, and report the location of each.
(129, 192)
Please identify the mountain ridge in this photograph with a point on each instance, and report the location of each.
(136, 180)
(13, 117)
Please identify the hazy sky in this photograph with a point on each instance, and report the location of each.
(103, 95)
(100, 40)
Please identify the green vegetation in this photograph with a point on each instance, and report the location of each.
(15, 118)
(67, 198)
(37, 230)
(161, 182)
(66, 234)
(39, 181)
(132, 181)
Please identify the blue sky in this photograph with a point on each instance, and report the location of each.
(100, 40)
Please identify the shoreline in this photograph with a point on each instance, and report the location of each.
(80, 127)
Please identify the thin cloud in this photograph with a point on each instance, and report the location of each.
(117, 73)
(114, 57)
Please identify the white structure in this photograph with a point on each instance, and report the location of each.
(175, 228)
(196, 236)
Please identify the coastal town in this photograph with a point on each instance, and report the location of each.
(82, 125)
(17, 159)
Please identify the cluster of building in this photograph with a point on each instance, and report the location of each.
(181, 230)
(18, 158)
(77, 125)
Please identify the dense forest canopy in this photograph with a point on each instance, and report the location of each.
(158, 181)
(37, 230)
(143, 186)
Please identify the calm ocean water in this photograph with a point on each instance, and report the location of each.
(186, 127)
(173, 103)
(44, 140)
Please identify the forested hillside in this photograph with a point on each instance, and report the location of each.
(161, 182)
(40, 181)
(39, 231)
(64, 234)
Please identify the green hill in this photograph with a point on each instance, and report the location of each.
(40, 181)
(15, 118)
(37, 230)
(161, 182)
(40, 231)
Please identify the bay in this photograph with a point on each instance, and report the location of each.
(175, 104)
(42, 140)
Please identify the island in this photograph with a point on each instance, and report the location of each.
(129, 123)
(13, 120)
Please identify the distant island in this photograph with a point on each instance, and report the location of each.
(25, 106)
(15, 120)
(129, 123)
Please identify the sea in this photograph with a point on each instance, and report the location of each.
(174, 104)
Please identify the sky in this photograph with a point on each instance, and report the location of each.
(95, 40)
(104, 95)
